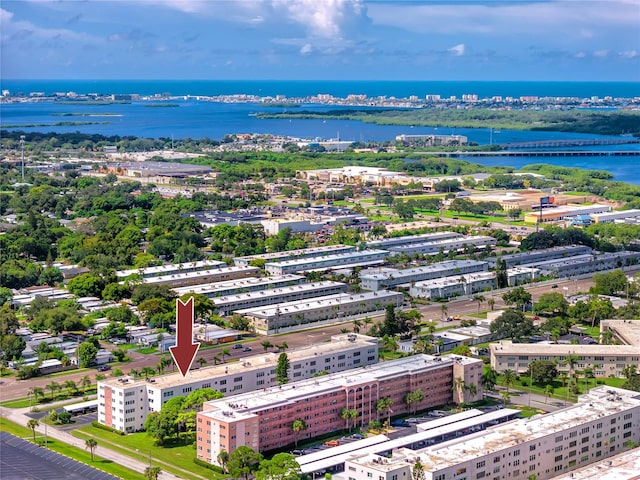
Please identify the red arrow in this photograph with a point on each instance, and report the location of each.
(185, 350)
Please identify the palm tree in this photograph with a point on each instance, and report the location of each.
(37, 392)
(298, 426)
(70, 385)
(479, 299)
(444, 309)
(223, 460)
(505, 397)
(385, 404)
(225, 353)
(54, 387)
(473, 389)
(588, 374)
(356, 326)
(85, 382)
(489, 378)
(282, 347)
(347, 414)
(492, 303)
(33, 424)
(458, 385)
(548, 391)
(508, 377)
(216, 360)
(202, 361)
(266, 345)
(91, 444)
(418, 397)
(152, 473)
(147, 371)
(367, 321)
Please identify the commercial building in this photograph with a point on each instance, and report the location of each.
(301, 314)
(560, 213)
(291, 254)
(241, 301)
(584, 264)
(540, 447)
(298, 225)
(125, 402)
(231, 287)
(350, 259)
(605, 360)
(170, 269)
(625, 216)
(433, 140)
(445, 246)
(263, 422)
(204, 276)
(468, 284)
(381, 278)
(385, 243)
(535, 256)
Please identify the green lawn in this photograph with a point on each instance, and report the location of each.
(44, 401)
(148, 350)
(176, 459)
(561, 392)
(75, 453)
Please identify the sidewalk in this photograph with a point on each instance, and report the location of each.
(18, 416)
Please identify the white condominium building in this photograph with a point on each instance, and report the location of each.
(541, 447)
(125, 402)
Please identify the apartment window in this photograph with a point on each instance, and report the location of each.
(532, 457)
(260, 374)
(480, 464)
(572, 453)
(628, 416)
(573, 444)
(626, 435)
(557, 468)
(516, 463)
(440, 476)
(223, 382)
(516, 452)
(558, 458)
(573, 434)
(168, 394)
(237, 379)
(496, 459)
(532, 448)
(585, 430)
(559, 438)
(480, 474)
(585, 449)
(585, 439)
(186, 389)
(627, 425)
(297, 367)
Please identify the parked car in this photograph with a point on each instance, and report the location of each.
(297, 452)
(104, 368)
(246, 349)
(332, 443)
(237, 346)
(357, 436)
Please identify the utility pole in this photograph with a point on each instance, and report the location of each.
(22, 137)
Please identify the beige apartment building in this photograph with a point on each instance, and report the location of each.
(541, 447)
(125, 402)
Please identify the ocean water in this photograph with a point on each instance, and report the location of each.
(196, 119)
(398, 89)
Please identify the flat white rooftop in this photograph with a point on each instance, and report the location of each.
(284, 394)
(239, 284)
(320, 302)
(384, 273)
(270, 359)
(470, 239)
(592, 406)
(627, 330)
(276, 292)
(315, 251)
(507, 347)
(201, 274)
(163, 269)
(624, 466)
(356, 256)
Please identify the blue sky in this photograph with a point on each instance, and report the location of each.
(554, 40)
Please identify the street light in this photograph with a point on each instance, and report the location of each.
(22, 137)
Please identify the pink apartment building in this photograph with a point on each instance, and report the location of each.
(262, 420)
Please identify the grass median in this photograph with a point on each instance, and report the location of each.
(175, 459)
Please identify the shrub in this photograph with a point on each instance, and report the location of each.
(105, 427)
(204, 464)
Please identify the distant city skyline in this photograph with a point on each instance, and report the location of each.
(539, 40)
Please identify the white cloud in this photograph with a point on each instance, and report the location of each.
(629, 54)
(457, 50)
(601, 53)
(306, 49)
(580, 54)
(321, 18)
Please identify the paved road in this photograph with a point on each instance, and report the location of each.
(13, 388)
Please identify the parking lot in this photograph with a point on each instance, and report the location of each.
(23, 460)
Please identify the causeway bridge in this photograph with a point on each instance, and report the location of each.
(569, 142)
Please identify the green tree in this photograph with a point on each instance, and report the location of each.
(542, 371)
(390, 326)
(384, 405)
(512, 324)
(243, 462)
(33, 424)
(417, 472)
(86, 285)
(266, 345)
(509, 378)
(297, 426)
(87, 353)
(91, 444)
(348, 414)
(610, 283)
(489, 377)
(502, 278)
(152, 473)
(223, 460)
(282, 466)
(548, 391)
(479, 299)
(282, 369)
(518, 297)
(552, 304)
